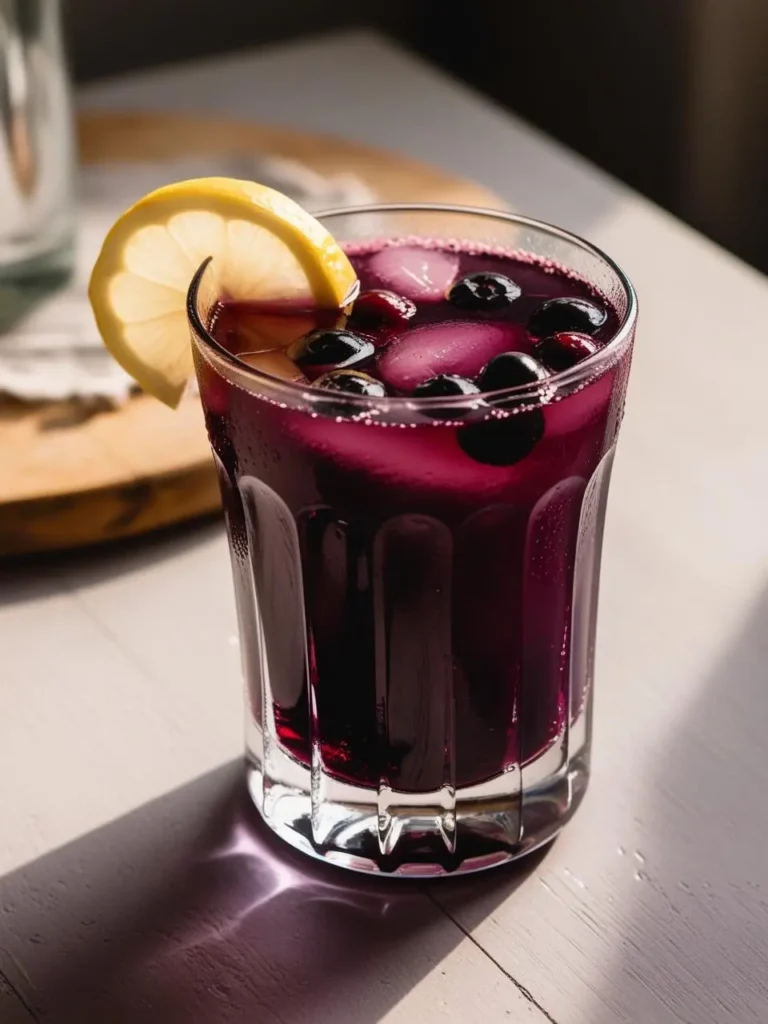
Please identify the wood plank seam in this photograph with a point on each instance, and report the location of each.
(520, 988)
(5, 982)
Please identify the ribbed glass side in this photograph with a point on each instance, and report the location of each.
(419, 698)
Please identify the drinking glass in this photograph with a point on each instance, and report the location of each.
(36, 146)
(417, 628)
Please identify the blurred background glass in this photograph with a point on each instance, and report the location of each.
(36, 145)
(668, 95)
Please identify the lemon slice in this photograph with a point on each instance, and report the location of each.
(265, 248)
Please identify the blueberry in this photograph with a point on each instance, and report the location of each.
(511, 370)
(502, 442)
(330, 348)
(378, 307)
(352, 382)
(484, 291)
(564, 350)
(445, 385)
(557, 315)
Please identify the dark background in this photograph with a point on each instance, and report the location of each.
(671, 96)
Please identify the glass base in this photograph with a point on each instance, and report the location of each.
(413, 834)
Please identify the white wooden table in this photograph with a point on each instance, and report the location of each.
(131, 890)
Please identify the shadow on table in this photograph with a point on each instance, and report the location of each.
(188, 910)
(31, 577)
(696, 932)
(689, 942)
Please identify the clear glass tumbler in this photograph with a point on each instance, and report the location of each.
(36, 146)
(417, 628)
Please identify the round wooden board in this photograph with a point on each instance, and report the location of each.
(70, 479)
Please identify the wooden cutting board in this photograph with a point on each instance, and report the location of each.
(71, 477)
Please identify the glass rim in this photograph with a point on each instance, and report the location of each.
(585, 371)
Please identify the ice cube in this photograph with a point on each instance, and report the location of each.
(360, 467)
(461, 347)
(580, 409)
(422, 275)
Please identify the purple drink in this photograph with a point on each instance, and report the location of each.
(415, 542)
